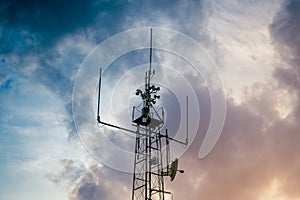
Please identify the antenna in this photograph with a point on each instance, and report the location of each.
(150, 50)
(174, 169)
(99, 93)
(148, 120)
(98, 109)
(187, 121)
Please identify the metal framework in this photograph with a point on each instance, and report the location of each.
(149, 170)
(148, 181)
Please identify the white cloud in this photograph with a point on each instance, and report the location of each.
(241, 30)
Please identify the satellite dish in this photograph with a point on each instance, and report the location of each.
(173, 169)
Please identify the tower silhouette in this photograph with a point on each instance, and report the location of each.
(149, 170)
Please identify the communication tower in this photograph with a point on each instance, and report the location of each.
(149, 170)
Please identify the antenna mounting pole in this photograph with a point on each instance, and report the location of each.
(150, 52)
(99, 93)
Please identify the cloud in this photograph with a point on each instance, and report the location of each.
(43, 43)
(285, 33)
(241, 36)
(90, 182)
(31, 25)
(242, 164)
(103, 183)
(257, 151)
(47, 41)
(256, 156)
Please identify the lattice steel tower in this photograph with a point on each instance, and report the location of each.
(149, 170)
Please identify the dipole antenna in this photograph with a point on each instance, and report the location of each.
(148, 120)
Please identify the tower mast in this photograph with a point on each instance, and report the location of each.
(148, 120)
(148, 182)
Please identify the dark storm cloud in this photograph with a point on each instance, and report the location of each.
(30, 24)
(285, 31)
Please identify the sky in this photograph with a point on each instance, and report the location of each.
(236, 60)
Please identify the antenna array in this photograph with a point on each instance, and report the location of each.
(148, 120)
